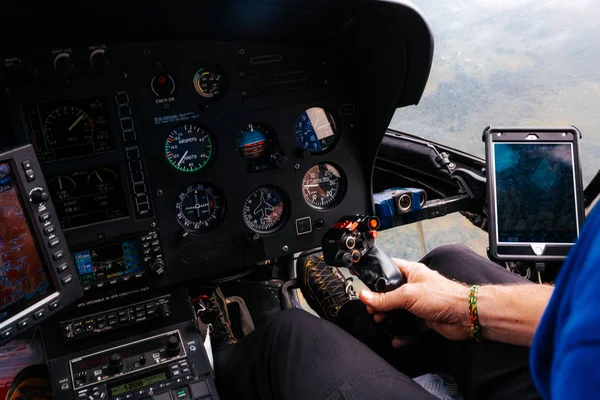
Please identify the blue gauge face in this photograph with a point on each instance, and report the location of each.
(316, 130)
(263, 209)
(252, 142)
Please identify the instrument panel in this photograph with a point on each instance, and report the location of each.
(234, 152)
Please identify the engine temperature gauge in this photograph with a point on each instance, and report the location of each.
(210, 82)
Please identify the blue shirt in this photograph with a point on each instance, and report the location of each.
(565, 356)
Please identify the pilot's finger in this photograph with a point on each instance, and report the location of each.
(370, 310)
(389, 301)
(405, 266)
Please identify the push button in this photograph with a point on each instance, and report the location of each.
(53, 306)
(26, 165)
(30, 175)
(62, 267)
(199, 389)
(22, 324)
(57, 256)
(53, 242)
(38, 314)
(5, 334)
(181, 393)
(49, 230)
(162, 396)
(67, 279)
(44, 217)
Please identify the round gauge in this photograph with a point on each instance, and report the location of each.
(323, 186)
(102, 180)
(199, 208)
(263, 209)
(254, 142)
(68, 126)
(189, 148)
(62, 188)
(316, 130)
(210, 82)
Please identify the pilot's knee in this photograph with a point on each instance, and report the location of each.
(444, 252)
(291, 319)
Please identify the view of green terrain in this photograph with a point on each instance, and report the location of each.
(509, 62)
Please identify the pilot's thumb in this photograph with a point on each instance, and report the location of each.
(382, 301)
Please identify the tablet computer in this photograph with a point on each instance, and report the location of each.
(535, 194)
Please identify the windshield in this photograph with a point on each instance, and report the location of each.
(510, 62)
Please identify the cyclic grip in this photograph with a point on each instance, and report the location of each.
(351, 243)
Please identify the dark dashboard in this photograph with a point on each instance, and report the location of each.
(228, 153)
(188, 142)
(180, 150)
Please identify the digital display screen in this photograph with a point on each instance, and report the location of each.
(69, 128)
(535, 193)
(87, 196)
(23, 280)
(138, 384)
(108, 262)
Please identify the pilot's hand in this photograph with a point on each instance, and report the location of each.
(441, 303)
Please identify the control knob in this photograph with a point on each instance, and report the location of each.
(63, 64)
(158, 266)
(98, 60)
(173, 346)
(115, 364)
(38, 196)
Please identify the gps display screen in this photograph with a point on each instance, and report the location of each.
(23, 279)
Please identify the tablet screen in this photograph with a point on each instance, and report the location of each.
(535, 193)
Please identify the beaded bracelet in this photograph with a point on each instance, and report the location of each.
(475, 327)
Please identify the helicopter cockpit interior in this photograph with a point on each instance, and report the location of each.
(154, 150)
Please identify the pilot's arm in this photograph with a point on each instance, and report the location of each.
(507, 313)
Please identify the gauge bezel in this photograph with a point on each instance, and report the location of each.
(284, 216)
(220, 215)
(224, 87)
(341, 190)
(213, 147)
(336, 135)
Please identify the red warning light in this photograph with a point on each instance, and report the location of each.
(374, 234)
(162, 80)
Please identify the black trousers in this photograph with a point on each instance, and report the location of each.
(298, 356)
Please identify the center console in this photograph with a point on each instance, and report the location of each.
(166, 364)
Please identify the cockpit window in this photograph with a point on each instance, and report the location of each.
(511, 62)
